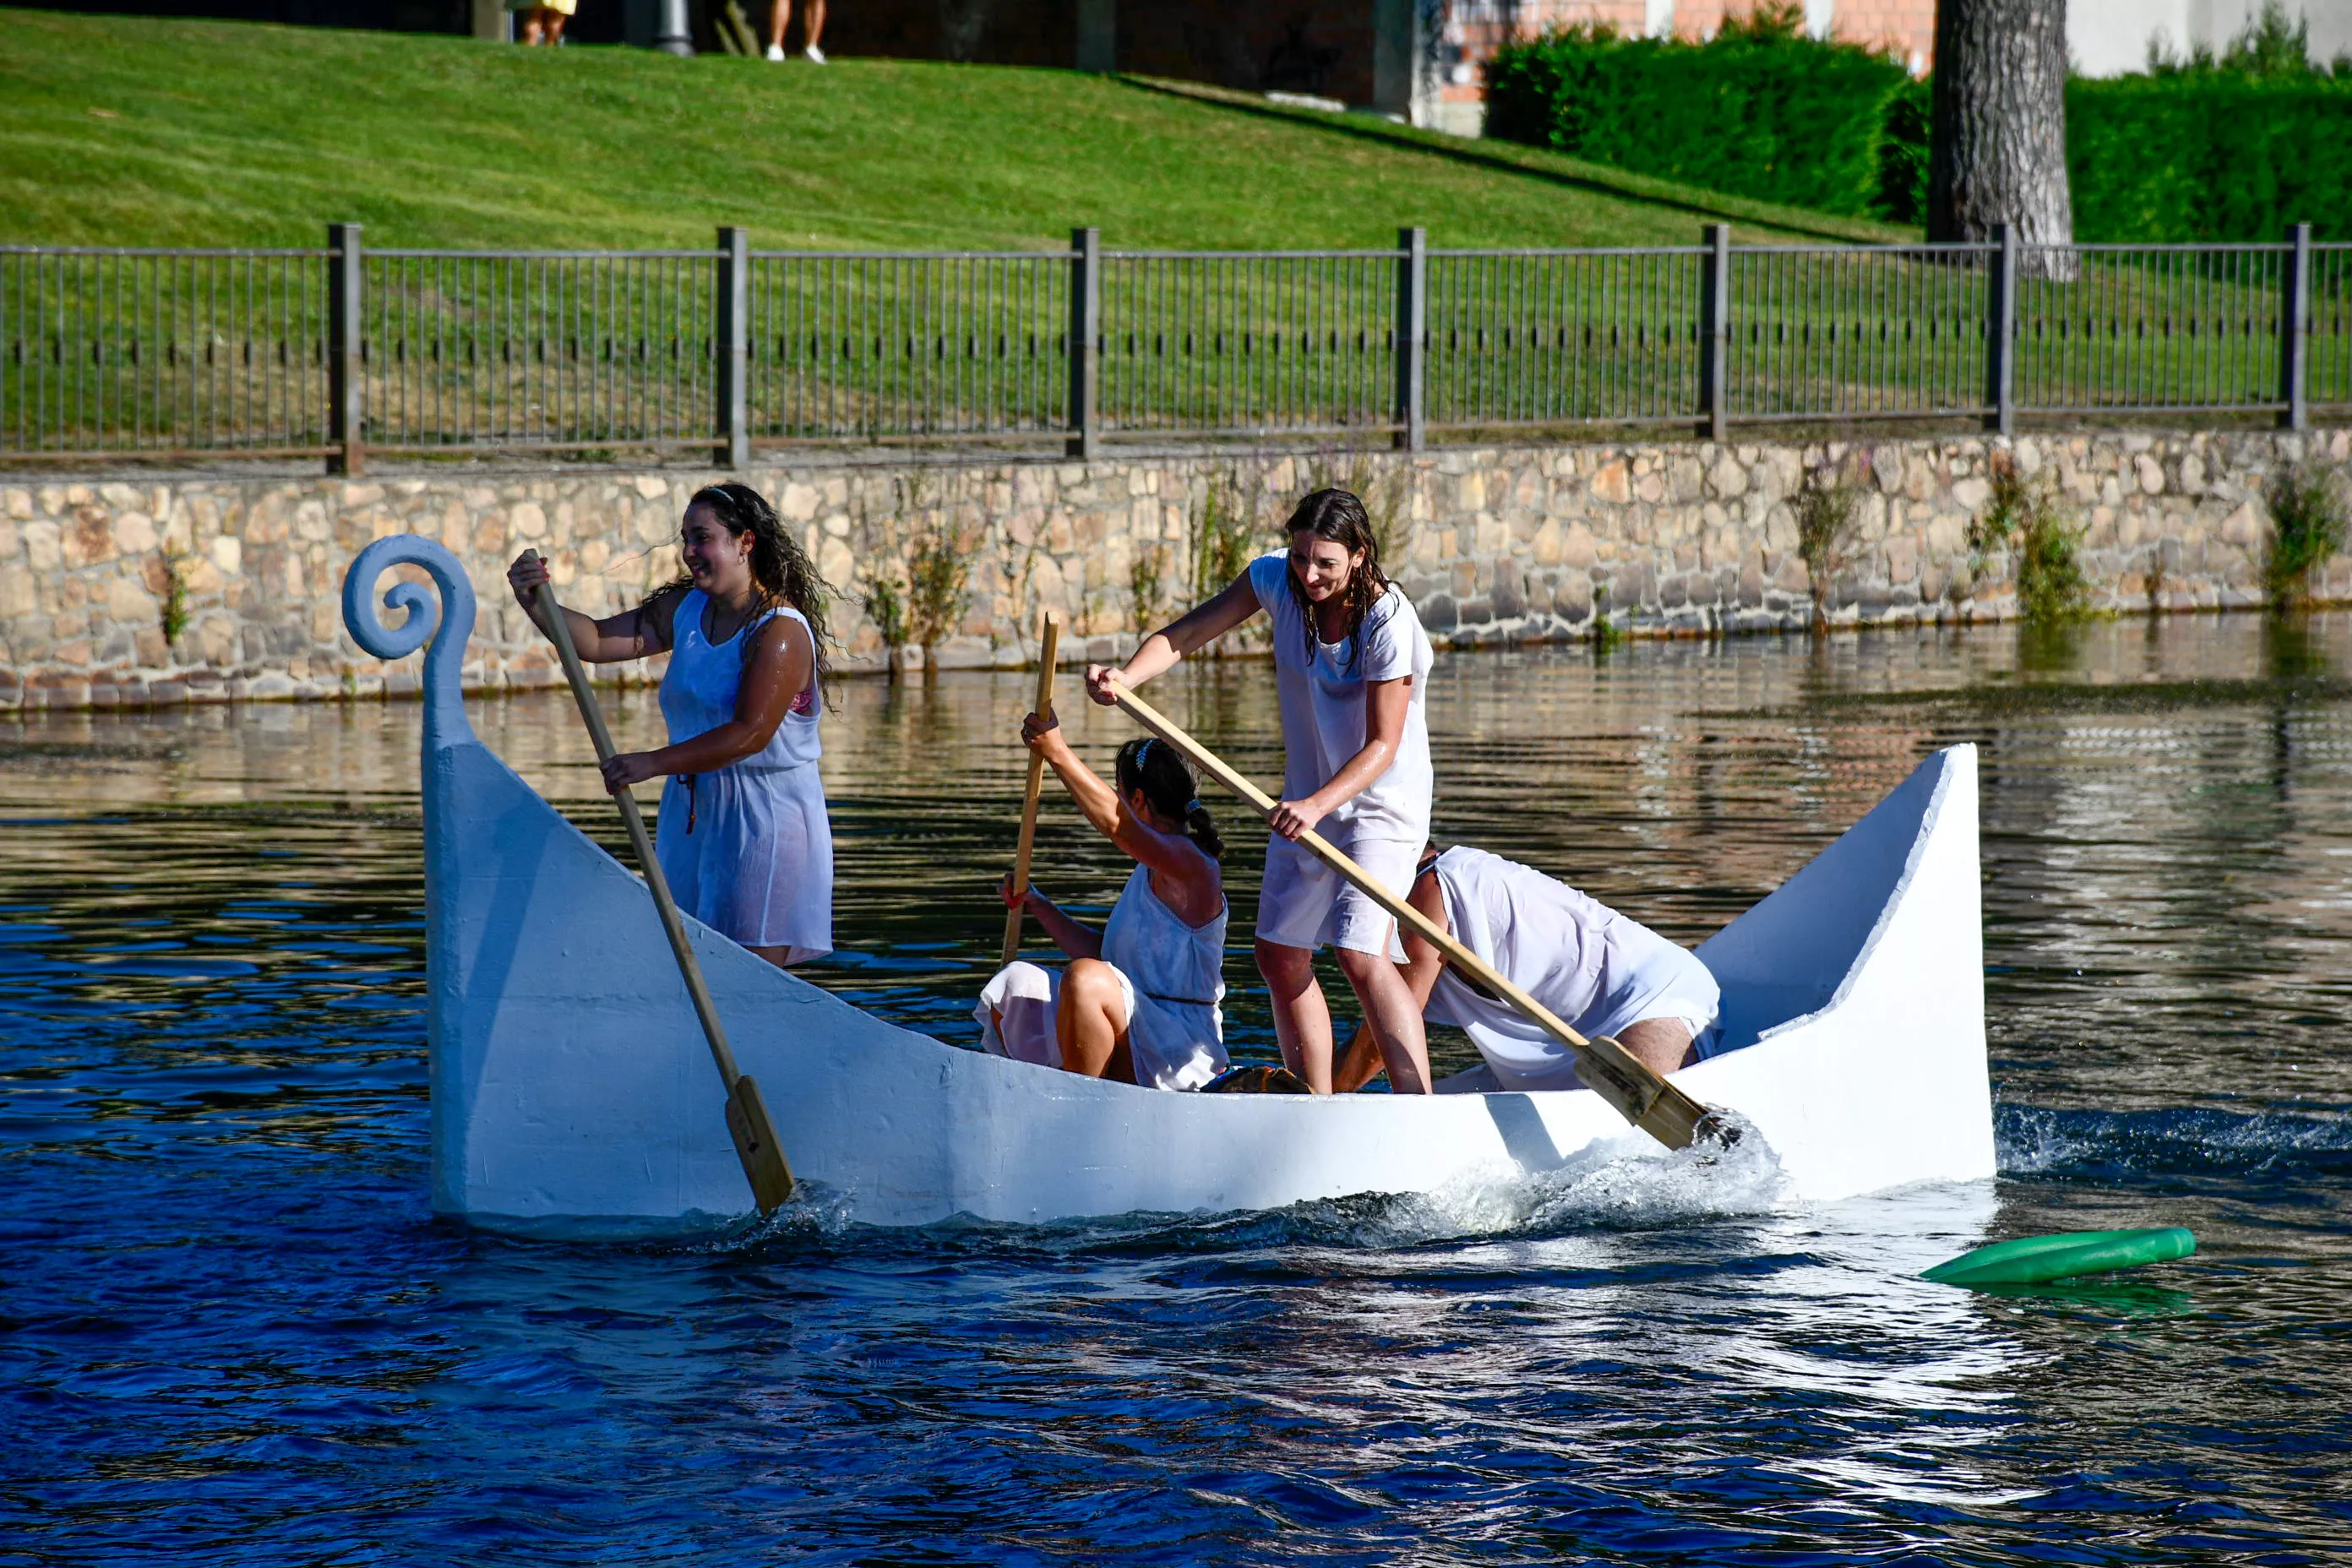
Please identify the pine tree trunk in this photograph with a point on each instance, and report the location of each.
(1997, 141)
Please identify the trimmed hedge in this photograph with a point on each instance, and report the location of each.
(1761, 110)
(2210, 155)
(1765, 111)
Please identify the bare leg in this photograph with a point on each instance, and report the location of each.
(1391, 1015)
(1302, 1019)
(782, 957)
(1359, 1063)
(779, 17)
(532, 25)
(1092, 1021)
(813, 17)
(1662, 1045)
(554, 28)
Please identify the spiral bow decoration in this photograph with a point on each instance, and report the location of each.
(444, 703)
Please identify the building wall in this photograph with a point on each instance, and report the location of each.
(2108, 37)
(1496, 545)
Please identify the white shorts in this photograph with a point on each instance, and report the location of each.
(1025, 997)
(1304, 903)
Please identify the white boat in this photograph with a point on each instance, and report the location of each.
(571, 1089)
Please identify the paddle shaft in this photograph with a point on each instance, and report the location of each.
(1640, 1095)
(1049, 639)
(640, 840)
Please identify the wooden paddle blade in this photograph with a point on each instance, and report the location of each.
(757, 1145)
(1645, 1098)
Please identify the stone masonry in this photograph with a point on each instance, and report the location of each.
(1496, 545)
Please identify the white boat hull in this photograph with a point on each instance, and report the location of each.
(570, 1085)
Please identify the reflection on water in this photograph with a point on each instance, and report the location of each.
(233, 1328)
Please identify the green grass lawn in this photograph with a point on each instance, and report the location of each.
(131, 131)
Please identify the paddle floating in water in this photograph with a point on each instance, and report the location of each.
(2039, 1259)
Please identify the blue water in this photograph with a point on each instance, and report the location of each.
(234, 1332)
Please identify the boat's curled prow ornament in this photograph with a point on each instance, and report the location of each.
(445, 707)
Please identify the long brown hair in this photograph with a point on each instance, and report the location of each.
(782, 572)
(1339, 516)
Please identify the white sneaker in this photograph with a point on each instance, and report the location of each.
(813, 54)
(776, 52)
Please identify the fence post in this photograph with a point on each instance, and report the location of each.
(1714, 331)
(1086, 335)
(733, 295)
(2001, 334)
(1412, 337)
(346, 369)
(2294, 329)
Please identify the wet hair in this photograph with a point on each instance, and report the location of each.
(1339, 516)
(1151, 765)
(782, 572)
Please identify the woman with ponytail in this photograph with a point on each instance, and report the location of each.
(1352, 672)
(1138, 1000)
(744, 840)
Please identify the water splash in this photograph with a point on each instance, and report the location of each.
(2105, 1145)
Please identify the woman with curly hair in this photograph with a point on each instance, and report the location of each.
(743, 839)
(1352, 672)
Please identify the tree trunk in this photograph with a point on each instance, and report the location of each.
(1997, 141)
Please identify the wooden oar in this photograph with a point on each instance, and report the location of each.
(1049, 640)
(747, 1113)
(1641, 1096)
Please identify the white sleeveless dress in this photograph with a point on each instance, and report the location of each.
(747, 849)
(1171, 974)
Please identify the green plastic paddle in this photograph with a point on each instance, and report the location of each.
(2038, 1260)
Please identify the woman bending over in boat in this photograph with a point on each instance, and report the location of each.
(1597, 971)
(1138, 1000)
(743, 839)
(1351, 670)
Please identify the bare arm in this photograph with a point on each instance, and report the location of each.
(783, 660)
(639, 633)
(1360, 1062)
(1195, 630)
(1386, 703)
(1179, 866)
(1075, 939)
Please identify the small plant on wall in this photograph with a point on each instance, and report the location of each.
(1828, 510)
(176, 595)
(885, 606)
(2023, 520)
(1147, 586)
(938, 593)
(2307, 532)
(1222, 539)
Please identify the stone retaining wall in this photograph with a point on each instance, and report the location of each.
(124, 591)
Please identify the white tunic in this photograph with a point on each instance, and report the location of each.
(1170, 974)
(1599, 972)
(1323, 709)
(1177, 1031)
(746, 848)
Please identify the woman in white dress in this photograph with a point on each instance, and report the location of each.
(1351, 670)
(1139, 1001)
(743, 839)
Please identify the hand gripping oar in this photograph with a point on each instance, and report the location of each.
(1049, 639)
(1639, 1095)
(747, 1113)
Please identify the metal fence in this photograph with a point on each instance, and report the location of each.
(344, 350)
